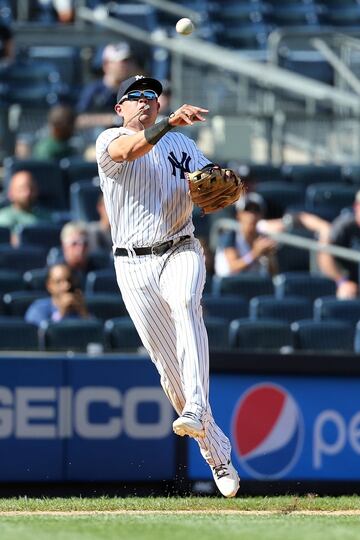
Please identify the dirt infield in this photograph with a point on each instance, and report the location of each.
(179, 512)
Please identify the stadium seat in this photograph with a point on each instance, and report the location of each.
(10, 281)
(312, 174)
(217, 331)
(266, 334)
(35, 279)
(290, 308)
(76, 169)
(290, 258)
(327, 336)
(332, 308)
(227, 307)
(279, 195)
(16, 334)
(255, 173)
(327, 200)
(65, 59)
(121, 334)
(106, 305)
(46, 235)
(71, 334)
(83, 199)
(51, 194)
(303, 284)
(246, 285)
(17, 302)
(357, 338)
(4, 235)
(22, 258)
(102, 281)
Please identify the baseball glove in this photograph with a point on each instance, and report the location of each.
(213, 188)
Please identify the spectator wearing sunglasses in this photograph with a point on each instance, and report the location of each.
(75, 251)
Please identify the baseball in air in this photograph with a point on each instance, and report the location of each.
(184, 26)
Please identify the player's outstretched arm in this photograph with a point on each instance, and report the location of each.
(131, 147)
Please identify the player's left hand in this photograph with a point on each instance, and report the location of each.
(187, 115)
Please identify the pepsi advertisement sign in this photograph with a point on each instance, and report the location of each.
(283, 427)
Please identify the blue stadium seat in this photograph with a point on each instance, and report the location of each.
(279, 195)
(303, 284)
(83, 199)
(290, 308)
(290, 258)
(246, 285)
(343, 15)
(266, 334)
(106, 305)
(22, 258)
(18, 335)
(71, 334)
(10, 281)
(312, 174)
(254, 172)
(357, 338)
(46, 235)
(102, 281)
(4, 235)
(35, 279)
(308, 63)
(65, 59)
(76, 169)
(121, 334)
(17, 302)
(51, 193)
(332, 308)
(32, 83)
(227, 307)
(297, 15)
(217, 331)
(329, 336)
(327, 200)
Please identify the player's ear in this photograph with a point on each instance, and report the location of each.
(117, 108)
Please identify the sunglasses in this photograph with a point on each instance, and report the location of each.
(134, 95)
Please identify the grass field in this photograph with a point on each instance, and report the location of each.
(258, 518)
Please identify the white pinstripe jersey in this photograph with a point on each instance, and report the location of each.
(147, 199)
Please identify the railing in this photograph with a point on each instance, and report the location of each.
(288, 239)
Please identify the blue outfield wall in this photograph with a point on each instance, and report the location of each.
(84, 420)
(287, 428)
(106, 419)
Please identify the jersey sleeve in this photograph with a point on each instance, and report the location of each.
(105, 162)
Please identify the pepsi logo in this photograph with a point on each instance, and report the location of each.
(268, 431)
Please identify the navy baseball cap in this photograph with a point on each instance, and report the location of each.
(139, 82)
(252, 202)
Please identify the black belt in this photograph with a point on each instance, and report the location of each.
(156, 249)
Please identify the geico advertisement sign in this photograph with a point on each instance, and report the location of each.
(48, 412)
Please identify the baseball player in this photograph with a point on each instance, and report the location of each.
(159, 264)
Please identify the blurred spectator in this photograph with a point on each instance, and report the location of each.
(75, 250)
(99, 233)
(22, 194)
(7, 48)
(65, 10)
(65, 301)
(249, 248)
(344, 232)
(99, 96)
(57, 143)
(246, 249)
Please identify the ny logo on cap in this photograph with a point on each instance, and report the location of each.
(137, 77)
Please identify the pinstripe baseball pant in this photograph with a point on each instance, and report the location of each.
(162, 295)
